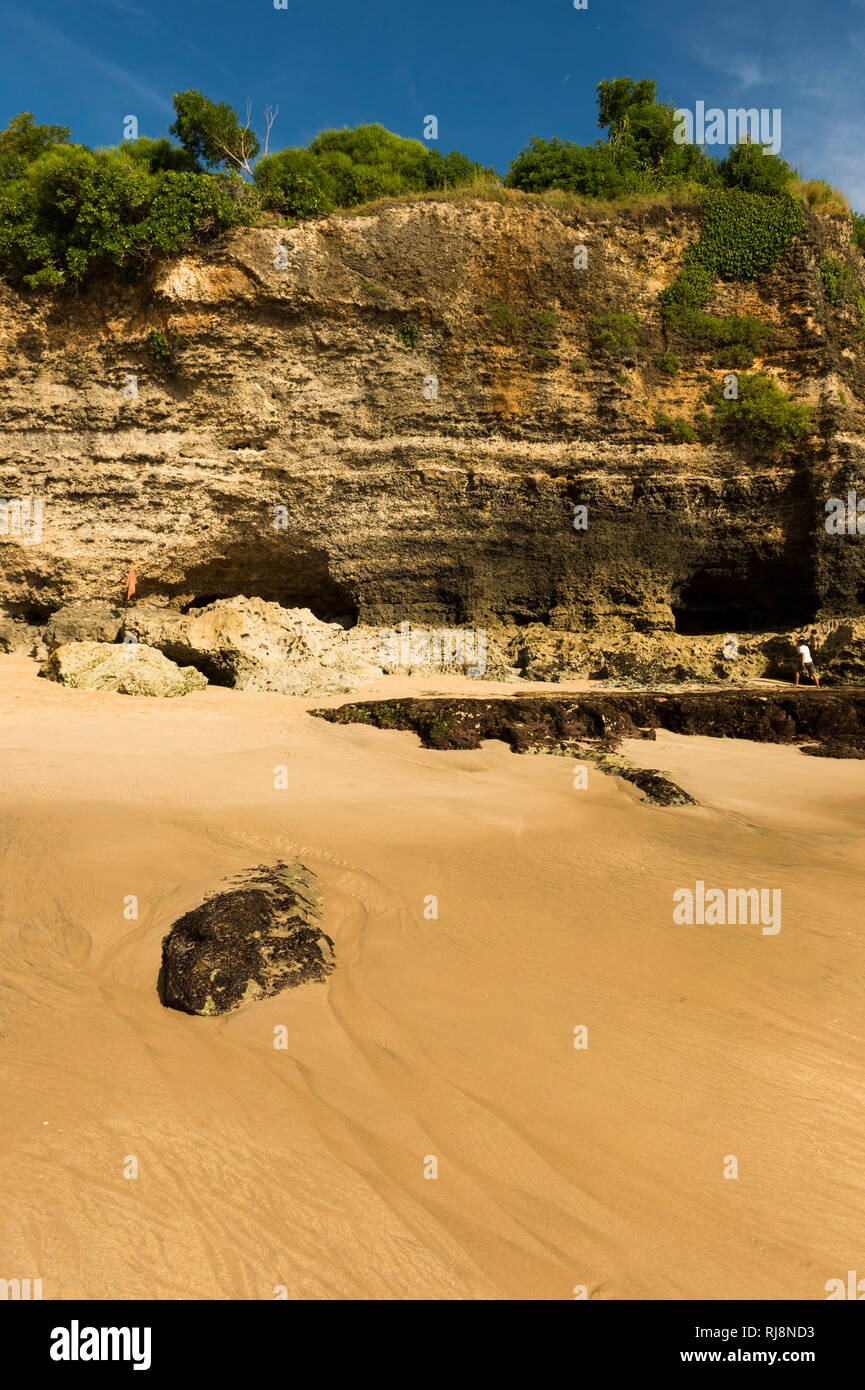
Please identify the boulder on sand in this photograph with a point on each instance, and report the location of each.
(248, 942)
(19, 637)
(84, 620)
(251, 644)
(129, 668)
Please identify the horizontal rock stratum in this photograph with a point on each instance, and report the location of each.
(300, 452)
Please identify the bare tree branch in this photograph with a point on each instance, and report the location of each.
(270, 115)
(240, 157)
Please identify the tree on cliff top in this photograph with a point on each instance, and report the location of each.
(212, 134)
(74, 209)
(341, 168)
(639, 153)
(756, 170)
(636, 124)
(157, 155)
(23, 141)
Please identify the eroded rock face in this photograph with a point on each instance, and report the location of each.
(247, 942)
(126, 668)
(295, 392)
(670, 659)
(244, 643)
(250, 644)
(19, 637)
(83, 621)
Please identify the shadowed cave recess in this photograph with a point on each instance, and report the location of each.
(293, 579)
(767, 596)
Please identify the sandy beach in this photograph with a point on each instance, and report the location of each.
(262, 1169)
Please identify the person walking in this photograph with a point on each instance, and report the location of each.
(805, 662)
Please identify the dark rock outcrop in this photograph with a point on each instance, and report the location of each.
(247, 942)
(657, 787)
(83, 621)
(831, 721)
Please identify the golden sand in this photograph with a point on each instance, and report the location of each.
(447, 1038)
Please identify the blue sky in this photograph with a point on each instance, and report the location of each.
(494, 72)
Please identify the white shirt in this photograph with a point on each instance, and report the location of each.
(806, 651)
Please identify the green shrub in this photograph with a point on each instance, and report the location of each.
(832, 274)
(292, 182)
(48, 278)
(668, 363)
(692, 287)
(544, 322)
(587, 169)
(72, 211)
(711, 331)
(533, 328)
(157, 156)
(409, 334)
(763, 414)
(674, 428)
(858, 220)
(741, 236)
(841, 287)
(163, 347)
(755, 169)
(158, 346)
(23, 141)
(342, 168)
(506, 318)
(615, 334)
(639, 154)
(736, 355)
(839, 283)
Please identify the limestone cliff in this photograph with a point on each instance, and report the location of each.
(448, 502)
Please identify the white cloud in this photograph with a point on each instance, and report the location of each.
(82, 57)
(745, 69)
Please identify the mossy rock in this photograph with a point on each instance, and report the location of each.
(248, 942)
